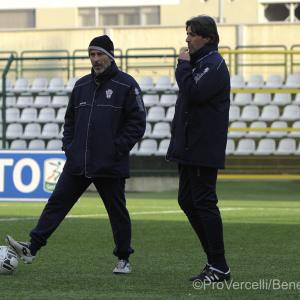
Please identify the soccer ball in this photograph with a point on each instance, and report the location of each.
(8, 261)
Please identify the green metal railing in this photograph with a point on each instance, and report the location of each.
(4, 59)
(45, 68)
(292, 59)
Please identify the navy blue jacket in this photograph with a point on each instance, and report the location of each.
(105, 118)
(200, 124)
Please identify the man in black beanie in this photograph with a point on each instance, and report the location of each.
(105, 118)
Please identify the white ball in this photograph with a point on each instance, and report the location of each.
(8, 261)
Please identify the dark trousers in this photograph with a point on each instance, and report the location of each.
(68, 190)
(197, 198)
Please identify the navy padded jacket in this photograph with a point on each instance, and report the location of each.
(200, 124)
(105, 118)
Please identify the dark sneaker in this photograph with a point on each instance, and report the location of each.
(122, 267)
(203, 272)
(21, 248)
(213, 275)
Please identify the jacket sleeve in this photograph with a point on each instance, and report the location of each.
(134, 124)
(198, 86)
(69, 126)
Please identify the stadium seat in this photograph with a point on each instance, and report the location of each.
(297, 99)
(54, 145)
(237, 82)
(255, 82)
(162, 148)
(148, 130)
(261, 99)
(56, 84)
(163, 83)
(24, 100)
(39, 84)
(234, 113)
(146, 83)
(277, 134)
(170, 114)
(150, 100)
(60, 100)
(14, 131)
(245, 147)
(21, 85)
(155, 113)
(18, 144)
(265, 147)
(12, 115)
(273, 82)
(46, 114)
(31, 131)
(70, 84)
(42, 100)
(257, 134)
(49, 131)
(249, 113)
(295, 134)
(269, 113)
(134, 150)
(60, 117)
(167, 100)
(147, 147)
(282, 99)
(28, 115)
(175, 86)
(290, 113)
(237, 134)
(230, 146)
(8, 84)
(10, 100)
(231, 97)
(286, 147)
(297, 152)
(60, 134)
(292, 82)
(161, 130)
(36, 145)
(242, 99)
(6, 144)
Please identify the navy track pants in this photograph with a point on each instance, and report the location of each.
(68, 190)
(197, 198)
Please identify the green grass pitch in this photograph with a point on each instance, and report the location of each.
(262, 240)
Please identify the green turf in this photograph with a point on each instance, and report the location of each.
(261, 239)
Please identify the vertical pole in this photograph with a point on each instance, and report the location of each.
(221, 19)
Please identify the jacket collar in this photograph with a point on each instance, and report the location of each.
(111, 72)
(201, 53)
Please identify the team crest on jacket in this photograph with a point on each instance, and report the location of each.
(108, 93)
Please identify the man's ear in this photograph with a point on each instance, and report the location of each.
(207, 39)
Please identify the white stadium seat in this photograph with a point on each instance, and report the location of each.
(50, 131)
(167, 99)
(56, 84)
(292, 82)
(297, 152)
(255, 82)
(297, 99)
(42, 100)
(60, 100)
(70, 84)
(14, 131)
(147, 130)
(24, 100)
(290, 113)
(230, 146)
(257, 134)
(249, 113)
(60, 117)
(39, 84)
(170, 114)
(242, 99)
(161, 130)
(286, 147)
(150, 100)
(46, 114)
(10, 100)
(21, 85)
(277, 134)
(273, 82)
(174, 86)
(282, 99)
(147, 147)
(234, 113)
(295, 134)
(245, 147)
(31, 131)
(12, 115)
(163, 147)
(261, 99)
(269, 113)
(28, 115)
(36, 145)
(265, 147)
(237, 82)
(8, 84)
(163, 83)
(18, 145)
(237, 134)
(155, 113)
(146, 83)
(54, 145)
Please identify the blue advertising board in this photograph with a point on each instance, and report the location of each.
(29, 175)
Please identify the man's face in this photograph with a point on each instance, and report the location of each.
(100, 61)
(195, 41)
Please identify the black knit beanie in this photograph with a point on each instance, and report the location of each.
(102, 43)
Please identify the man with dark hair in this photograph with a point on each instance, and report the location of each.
(199, 137)
(105, 118)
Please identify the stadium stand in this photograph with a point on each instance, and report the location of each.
(59, 100)
(14, 130)
(56, 85)
(161, 130)
(24, 100)
(49, 131)
(167, 100)
(31, 131)
(70, 84)
(46, 114)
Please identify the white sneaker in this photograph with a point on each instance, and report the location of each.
(122, 267)
(21, 248)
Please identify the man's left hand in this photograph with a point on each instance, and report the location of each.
(184, 55)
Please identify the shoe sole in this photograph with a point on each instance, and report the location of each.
(26, 259)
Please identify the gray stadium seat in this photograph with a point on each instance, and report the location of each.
(39, 84)
(170, 114)
(237, 134)
(249, 113)
(161, 130)
(163, 83)
(282, 99)
(286, 147)
(12, 115)
(54, 145)
(295, 134)
(21, 85)
(60, 100)
(290, 113)
(146, 83)
(24, 100)
(36, 145)
(49, 131)
(155, 113)
(31, 131)
(46, 114)
(18, 144)
(14, 131)
(174, 86)
(277, 134)
(297, 99)
(261, 99)
(60, 117)
(273, 82)
(147, 147)
(269, 113)
(167, 100)
(56, 84)
(28, 115)
(150, 100)
(245, 147)
(148, 130)
(230, 146)
(162, 148)
(297, 152)
(237, 82)
(10, 100)
(70, 84)
(292, 82)
(242, 99)
(8, 84)
(257, 134)
(42, 100)
(255, 82)
(265, 147)
(234, 113)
